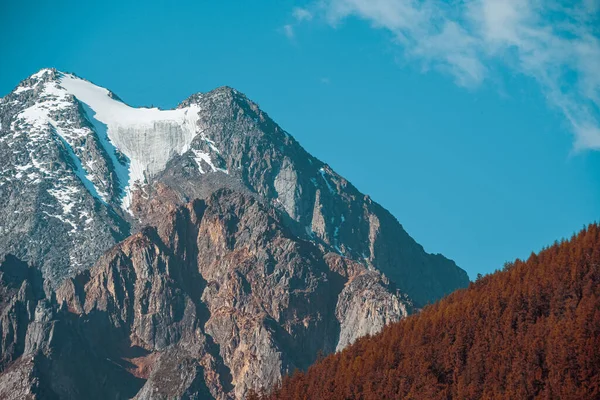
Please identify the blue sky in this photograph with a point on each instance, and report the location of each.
(477, 127)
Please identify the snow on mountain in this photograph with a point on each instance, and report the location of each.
(58, 193)
(35, 126)
(148, 137)
(200, 156)
(138, 141)
(71, 154)
(242, 238)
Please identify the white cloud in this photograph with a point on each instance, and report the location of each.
(301, 14)
(555, 42)
(288, 30)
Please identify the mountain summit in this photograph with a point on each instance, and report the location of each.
(203, 238)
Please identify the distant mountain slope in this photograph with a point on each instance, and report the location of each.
(530, 331)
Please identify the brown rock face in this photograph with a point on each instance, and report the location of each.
(48, 352)
(240, 260)
(263, 159)
(218, 298)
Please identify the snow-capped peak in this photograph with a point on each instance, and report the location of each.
(138, 141)
(41, 73)
(148, 137)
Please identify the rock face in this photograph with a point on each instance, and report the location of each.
(255, 151)
(219, 298)
(58, 188)
(215, 262)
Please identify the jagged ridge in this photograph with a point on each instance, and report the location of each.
(221, 291)
(297, 259)
(226, 133)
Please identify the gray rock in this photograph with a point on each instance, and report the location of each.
(239, 259)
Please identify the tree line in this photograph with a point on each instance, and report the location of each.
(530, 331)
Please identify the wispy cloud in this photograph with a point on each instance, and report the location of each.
(301, 14)
(288, 30)
(555, 42)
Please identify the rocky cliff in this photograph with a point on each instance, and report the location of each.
(188, 253)
(218, 298)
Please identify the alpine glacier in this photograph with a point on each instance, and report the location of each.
(147, 137)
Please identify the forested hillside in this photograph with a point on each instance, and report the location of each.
(529, 331)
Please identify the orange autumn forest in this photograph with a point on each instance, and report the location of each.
(530, 331)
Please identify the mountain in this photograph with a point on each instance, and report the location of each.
(531, 331)
(183, 253)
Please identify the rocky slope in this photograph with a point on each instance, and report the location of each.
(58, 189)
(182, 253)
(530, 331)
(219, 298)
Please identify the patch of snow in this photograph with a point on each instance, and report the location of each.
(119, 162)
(309, 231)
(63, 219)
(38, 123)
(323, 174)
(21, 89)
(335, 243)
(336, 233)
(87, 221)
(74, 261)
(23, 167)
(201, 156)
(80, 171)
(211, 144)
(148, 137)
(40, 73)
(65, 197)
